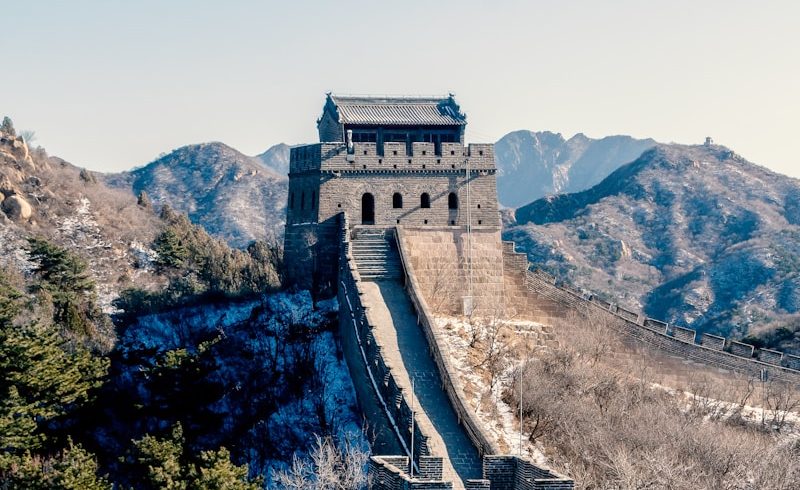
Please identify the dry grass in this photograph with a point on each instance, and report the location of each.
(594, 403)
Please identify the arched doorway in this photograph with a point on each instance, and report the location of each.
(367, 209)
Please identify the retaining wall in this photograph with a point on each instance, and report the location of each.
(439, 352)
(525, 474)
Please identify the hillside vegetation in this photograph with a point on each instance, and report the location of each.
(139, 351)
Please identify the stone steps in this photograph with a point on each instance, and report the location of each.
(375, 254)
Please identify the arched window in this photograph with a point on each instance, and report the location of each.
(452, 201)
(424, 200)
(291, 200)
(302, 200)
(313, 199)
(397, 200)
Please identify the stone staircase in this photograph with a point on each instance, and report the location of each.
(375, 253)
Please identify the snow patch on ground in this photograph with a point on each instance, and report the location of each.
(497, 417)
(750, 414)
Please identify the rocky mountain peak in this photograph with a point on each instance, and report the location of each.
(532, 164)
(232, 195)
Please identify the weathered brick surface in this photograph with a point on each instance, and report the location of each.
(440, 259)
(712, 341)
(742, 350)
(791, 361)
(513, 473)
(770, 356)
(324, 180)
(684, 334)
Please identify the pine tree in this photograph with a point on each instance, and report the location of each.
(166, 466)
(7, 127)
(216, 472)
(73, 469)
(66, 278)
(172, 252)
(143, 200)
(40, 378)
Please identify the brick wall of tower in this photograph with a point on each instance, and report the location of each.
(325, 180)
(329, 128)
(345, 180)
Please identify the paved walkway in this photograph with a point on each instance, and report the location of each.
(406, 354)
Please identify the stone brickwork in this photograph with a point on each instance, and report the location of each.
(741, 350)
(365, 358)
(499, 473)
(792, 362)
(653, 333)
(770, 356)
(712, 341)
(412, 183)
(440, 260)
(512, 473)
(325, 180)
(685, 334)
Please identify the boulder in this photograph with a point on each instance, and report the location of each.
(17, 208)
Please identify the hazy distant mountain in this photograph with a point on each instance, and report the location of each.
(532, 165)
(276, 158)
(232, 195)
(696, 235)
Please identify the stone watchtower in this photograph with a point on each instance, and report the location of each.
(386, 162)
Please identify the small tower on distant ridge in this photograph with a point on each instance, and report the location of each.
(709, 141)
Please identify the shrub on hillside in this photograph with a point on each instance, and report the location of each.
(202, 268)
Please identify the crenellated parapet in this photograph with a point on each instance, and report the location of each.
(709, 349)
(392, 158)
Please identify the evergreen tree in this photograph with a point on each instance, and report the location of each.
(172, 252)
(40, 380)
(65, 277)
(143, 200)
(73, 469)
(166, 466)
(216, 472)
(7, 127)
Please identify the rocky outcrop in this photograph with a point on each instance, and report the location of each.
(17, 208)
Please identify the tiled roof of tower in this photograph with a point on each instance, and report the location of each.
(398, 111)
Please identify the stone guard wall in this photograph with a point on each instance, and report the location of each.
(513, 473)
(356, 322)
(655, 333)
(439, 257)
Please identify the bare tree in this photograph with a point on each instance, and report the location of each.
(328, 467)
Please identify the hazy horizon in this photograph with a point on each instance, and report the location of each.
(111, 85)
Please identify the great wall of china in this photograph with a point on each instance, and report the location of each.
(428, 243)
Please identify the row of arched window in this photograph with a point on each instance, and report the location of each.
(303, 200)
(425, 200)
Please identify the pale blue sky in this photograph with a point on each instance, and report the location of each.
(111, 84)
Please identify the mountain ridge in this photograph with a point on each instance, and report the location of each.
(216, 186)
(533, 164)
(696, 235)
